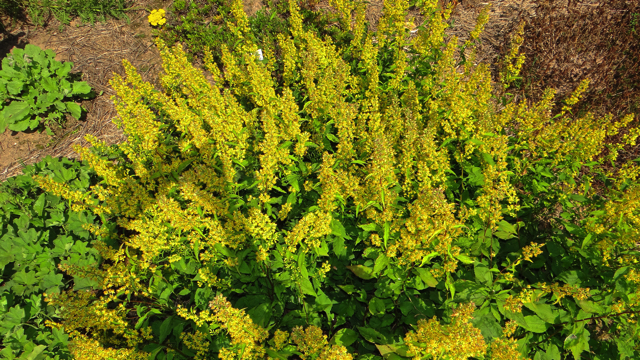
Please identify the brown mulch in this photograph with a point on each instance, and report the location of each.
(97, 52)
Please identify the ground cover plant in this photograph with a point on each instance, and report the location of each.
(38, 91)
(38, 233)
(342, 202)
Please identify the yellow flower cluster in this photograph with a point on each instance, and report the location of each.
(244, 333)
(313, 344)
(157, 17)
(457, 340)
(198, 343)
(529, 294)
(512, 63)
(82, 347)
(531, 251)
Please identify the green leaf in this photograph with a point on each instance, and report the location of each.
(372, 335)
(307, 287)
(276, 355)
(488, 326)
(165, 329)
(144, 317)
(338, 230)
(545, 311)
(36, 352)
(361, 271)
(16, 112)
(426, 277)
(587, 241)
(381, 262)
(15, 87)
(74, 109)
(483, 274)
(465, 259)
(80, 87)
(590, 306)
(344, 337)
(377, 306)
(38, 205)
(261, 314)
(535, 324)
(577, 343)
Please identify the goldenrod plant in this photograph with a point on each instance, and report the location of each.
(380, 199)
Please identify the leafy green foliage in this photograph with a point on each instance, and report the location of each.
(38, 232)
(35, 88)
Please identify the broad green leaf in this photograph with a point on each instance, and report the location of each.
(426, 277)
(38, 206)
(377, 306)
(80, 87)
(276, 355)
(49, 85)
(74, 109)
(577, 343)
(165, 329)
(545, 311)
(36, 352)
(261, 314)
(372, 335)
(16, 112)
(15, 87)
(590, 306)
(535, 324)
(488, 326)
(464, 259)
(381, 262)
(337, 229)
(483, 274)
(361, 271)
(344, 337)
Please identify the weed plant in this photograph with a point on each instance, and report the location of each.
(39, 236)
(37, 90)
(361, 204)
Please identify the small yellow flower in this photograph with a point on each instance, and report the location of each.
(157, 17)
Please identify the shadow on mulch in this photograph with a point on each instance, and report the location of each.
(97, 52)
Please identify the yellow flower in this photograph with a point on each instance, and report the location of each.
(157, 17)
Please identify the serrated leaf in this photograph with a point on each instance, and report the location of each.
(483, 274)
(15, 87)
(16, 112)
